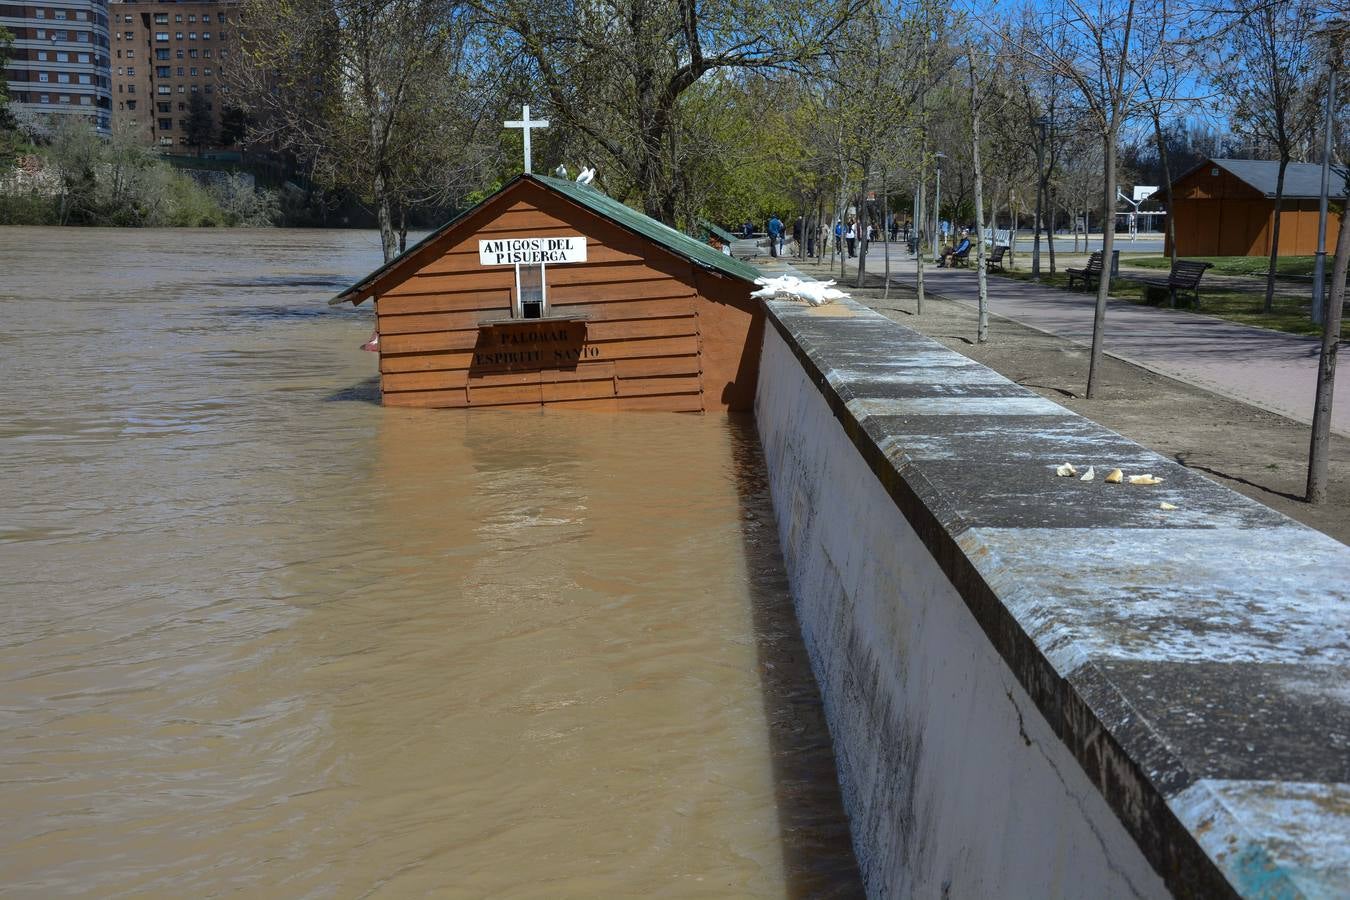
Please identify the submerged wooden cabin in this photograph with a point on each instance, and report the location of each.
(551, 293)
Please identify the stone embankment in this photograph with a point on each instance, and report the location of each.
(1039, 685)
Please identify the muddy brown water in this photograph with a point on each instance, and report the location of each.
(261, 635)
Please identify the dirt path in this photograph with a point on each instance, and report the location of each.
(1252, 451)
(1257, 366)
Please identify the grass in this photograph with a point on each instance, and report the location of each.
(1236, 265)
(1290, 314)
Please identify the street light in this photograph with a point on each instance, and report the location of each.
(937, 201)
(1334, 34)
(1042, 123)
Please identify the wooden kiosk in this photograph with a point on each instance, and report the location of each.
(1226, 207)
(551, 293)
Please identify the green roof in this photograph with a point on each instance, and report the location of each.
(721, 234)
(694, 250)
(682, 244)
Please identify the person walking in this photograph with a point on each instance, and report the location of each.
(775, 230)
(851, 235)
(839, 237)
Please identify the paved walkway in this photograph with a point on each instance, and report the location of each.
(1269, 369)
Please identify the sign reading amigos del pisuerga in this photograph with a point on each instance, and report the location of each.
(531, 250)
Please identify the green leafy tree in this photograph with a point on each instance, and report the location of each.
(233, 126)
(201, 126)
(620, 75)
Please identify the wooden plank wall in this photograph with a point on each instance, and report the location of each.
(642, 336)
(1220, 215)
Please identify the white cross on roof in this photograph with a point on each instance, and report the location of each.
(526, 125)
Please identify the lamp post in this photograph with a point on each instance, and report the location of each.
(937, 202)
(1334, 34)
(914, 222)
(1042, 123)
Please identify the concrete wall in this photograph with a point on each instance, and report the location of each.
(987, 637)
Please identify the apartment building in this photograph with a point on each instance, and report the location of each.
(165, 53)
(61, 63)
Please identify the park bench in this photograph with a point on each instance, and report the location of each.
(995, 259)
(1185, 276)
(1089, 273)
(961, 260)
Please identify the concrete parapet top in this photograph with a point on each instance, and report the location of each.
(1195, 660)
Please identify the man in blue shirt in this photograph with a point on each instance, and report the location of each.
(954, 254)
(775, 234)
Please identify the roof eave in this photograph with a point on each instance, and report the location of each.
(367, 287)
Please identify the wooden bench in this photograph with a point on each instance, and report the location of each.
(962, 260)
(995, 259)
(1092, 271)
(1185, 276)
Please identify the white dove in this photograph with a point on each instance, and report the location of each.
(560, 172)
(586, 176)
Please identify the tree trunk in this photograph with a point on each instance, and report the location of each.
(1050, 227)
(820, 221)
(843, 243)
(863, 219)
(1108, 244)
(886, 238)
(1320, 445)
(918, 232)
(1167, 188)
(982, 325)
(1036, 225)
(385, 215)
(1275, 236)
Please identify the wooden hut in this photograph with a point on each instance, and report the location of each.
(1226, 207)
(715, 237)
(552, 293)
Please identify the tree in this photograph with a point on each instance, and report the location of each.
(200, 127)
(6, 51)
(1320, 443)
(618, 75)
(11, 139)
(1261, 62)
(982, 324)
(373, 94)
(1089, 44)
(233, 126)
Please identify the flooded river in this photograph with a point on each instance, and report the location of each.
(261, 635)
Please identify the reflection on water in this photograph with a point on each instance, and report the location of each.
(262, 634)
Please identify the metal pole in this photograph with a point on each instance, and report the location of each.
(937, 203)
(1320, 263)
(914, 221)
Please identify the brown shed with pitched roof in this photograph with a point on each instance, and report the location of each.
(498, 308)
(1226, 207)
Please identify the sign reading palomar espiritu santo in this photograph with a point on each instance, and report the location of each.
(532, 250)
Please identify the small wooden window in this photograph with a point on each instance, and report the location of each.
(531, 292)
